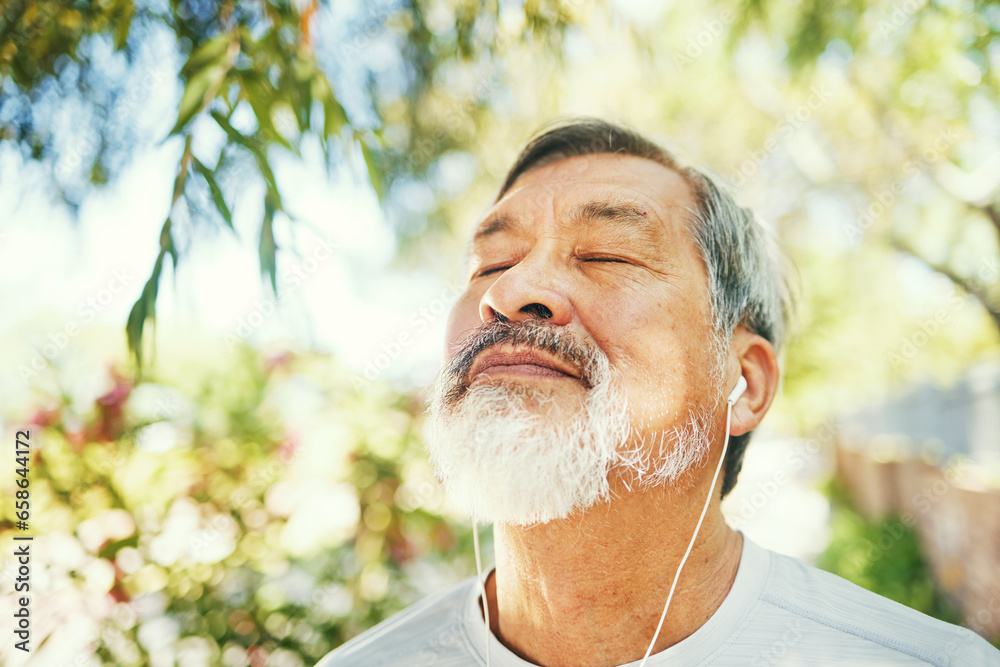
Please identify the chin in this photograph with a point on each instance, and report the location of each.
(504, 454)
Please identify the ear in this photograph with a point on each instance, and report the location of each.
(758, 363)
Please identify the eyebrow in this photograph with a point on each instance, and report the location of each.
(493, 225)
(626, 213)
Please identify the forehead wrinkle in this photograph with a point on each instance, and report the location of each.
(623, 214)
(613, 211)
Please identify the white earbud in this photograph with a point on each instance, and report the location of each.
(741, 386)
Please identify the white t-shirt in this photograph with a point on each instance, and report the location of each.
(778, 612)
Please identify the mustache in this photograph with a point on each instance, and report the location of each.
(533, 333)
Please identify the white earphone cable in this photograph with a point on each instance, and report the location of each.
(673, 586)
(482, 586)
(704, 511)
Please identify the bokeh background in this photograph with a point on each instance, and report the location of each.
(230, 234)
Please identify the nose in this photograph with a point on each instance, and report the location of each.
(532, 288)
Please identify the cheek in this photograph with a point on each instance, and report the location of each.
(660, 356)
(616, 320)
(463, 319)
(668, 375)
(635, 334)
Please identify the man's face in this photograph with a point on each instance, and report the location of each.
(586, 309)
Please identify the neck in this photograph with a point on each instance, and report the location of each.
(589, 589)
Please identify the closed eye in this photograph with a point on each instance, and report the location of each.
(616, 260)
(495, 269)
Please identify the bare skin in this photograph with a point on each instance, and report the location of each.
(602, 243)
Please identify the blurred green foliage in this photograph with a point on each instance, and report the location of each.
(922, 76)
(192, 519)
(894, 158)
(255, 72)
(866, 131)
(883, 556)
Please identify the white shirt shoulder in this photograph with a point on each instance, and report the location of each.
(807, 616)
(779, 612)
(426, 633)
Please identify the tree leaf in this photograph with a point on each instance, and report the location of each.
(182, 173)
(144, 309)
(220, 201)
(259, 92)
(255, 149)
(267, 248)
(208, 53)
(334, 116)
(123, 24)
(145, 306)
(204, 82)
(134, 326)
(375, 172)
(193, 99)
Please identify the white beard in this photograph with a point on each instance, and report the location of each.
(502, 461)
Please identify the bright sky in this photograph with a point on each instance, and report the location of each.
(348, 301)
(351, 301)
(339, 291)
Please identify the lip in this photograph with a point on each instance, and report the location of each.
(524, 362)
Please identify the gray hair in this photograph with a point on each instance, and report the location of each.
(746, 271)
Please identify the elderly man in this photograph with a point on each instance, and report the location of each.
(613, 349)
